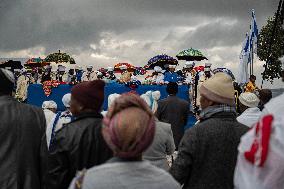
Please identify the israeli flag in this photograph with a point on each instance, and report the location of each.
(245, 58)
(253, 33)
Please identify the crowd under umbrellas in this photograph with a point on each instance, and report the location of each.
(140, 142)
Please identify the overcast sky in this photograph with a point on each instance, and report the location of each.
(104, 32)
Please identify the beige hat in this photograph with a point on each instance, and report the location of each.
(219, 88)
(249, 99)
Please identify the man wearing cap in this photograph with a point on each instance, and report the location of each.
(89, 75)
(22, 86)
(21, 130)
(78, 145)
(61, 75)
(248, 107)
(208, 151)
(46, 76)
(125, 75)
(189, 73)
(171, 75)
(78, 73)
(110, 74)
(159, 77)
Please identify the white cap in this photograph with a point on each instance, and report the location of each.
(123, 67)
(208, 64)
(249, 99)
(49, 105)
(61, 68)
(111, 98)
(172, 66)
(78, 67)
(110, 69)
(189, 64)
(66, 99)
(89, 67)
(207, 69)
(99, 73)
(158, 69)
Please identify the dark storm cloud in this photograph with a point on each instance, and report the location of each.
(74, 24)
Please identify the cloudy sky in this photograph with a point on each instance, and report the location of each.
(104, 32)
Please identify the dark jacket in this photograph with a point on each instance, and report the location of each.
(21, 130)
(77, 145)
(208, 153)
(174, 111)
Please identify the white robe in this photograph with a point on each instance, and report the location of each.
(89, 76)
(249, 117)
(271, 174)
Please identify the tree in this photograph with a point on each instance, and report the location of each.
(265, 39)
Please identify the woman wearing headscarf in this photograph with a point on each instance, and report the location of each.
(163, 144)
(129, 128)
(79, 144)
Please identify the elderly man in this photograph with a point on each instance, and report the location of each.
(248, 107)
(89, 75)
(171, 75)
(21, 130)
(208, 151)
(125, 75)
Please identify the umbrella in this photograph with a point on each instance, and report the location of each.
(130, 67)
(36, 62)
(191, 55)
(11, 64)
(162, 60)
(60, 58)
(224, 70)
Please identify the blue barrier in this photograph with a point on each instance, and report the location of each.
(36, 94)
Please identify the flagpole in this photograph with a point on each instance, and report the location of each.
(252, 55)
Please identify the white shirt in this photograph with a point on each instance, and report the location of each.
(249, 117)
(270, 176)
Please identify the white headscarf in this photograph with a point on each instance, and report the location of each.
(66, 99)
(151, 98)
(49, 105)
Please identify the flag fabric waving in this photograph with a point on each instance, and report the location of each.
(244, 60)
(253, 33)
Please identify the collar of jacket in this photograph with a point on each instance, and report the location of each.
(211, 111)
(88, 114)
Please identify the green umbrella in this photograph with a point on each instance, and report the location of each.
(191, 55)
(59, 58)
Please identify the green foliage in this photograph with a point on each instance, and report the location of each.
(274, 65)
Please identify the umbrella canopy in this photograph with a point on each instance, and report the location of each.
(36, 62)
(11, 64)
(60, 58)
(191, 55)
(130, 67)
(224, 70)
(162, 60)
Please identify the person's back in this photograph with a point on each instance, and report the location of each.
(79, 144)
(162, 146)
(208, 151)
(215, 151)
(22, 128)
(174, 111)
(122, 175)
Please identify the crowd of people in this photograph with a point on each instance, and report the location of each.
(140, 142)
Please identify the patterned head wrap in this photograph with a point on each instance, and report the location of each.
(129, 126)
